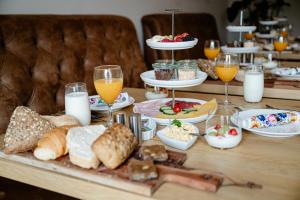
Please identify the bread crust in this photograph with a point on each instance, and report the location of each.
(115, 145)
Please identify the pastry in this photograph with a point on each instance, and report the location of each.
(52, 145)
(62, 120)
(79, 143)
(24, 130)
(153, 152)
(115, 145)
(141, 170)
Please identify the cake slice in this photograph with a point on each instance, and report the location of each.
(79, 142)
(141, 170)
(153, 152)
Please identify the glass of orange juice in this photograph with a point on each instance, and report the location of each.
(211, 49)
(280, 44)
(108, 81)
(226, 69)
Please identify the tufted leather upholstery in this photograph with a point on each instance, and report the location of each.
(40, 54)
(200, 25)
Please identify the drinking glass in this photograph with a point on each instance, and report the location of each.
(226, 69)
(77, 102)
(211, 49)
(108, 81)
(220, 131)
(280, 44)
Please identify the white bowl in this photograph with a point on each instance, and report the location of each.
(182, 145)
(224, 142)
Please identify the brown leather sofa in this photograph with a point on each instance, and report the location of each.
(39, 54)
(200, 25)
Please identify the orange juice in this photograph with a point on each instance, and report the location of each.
(109, 90)
(211, 53)
(280, 46)
(284, 33)
(226, 72)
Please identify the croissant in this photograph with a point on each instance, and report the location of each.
(53, 144)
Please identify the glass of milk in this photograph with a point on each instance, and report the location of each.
(254, 84)
(77, 102)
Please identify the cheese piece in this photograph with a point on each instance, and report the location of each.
(79, 142)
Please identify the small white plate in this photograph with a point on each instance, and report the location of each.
(115, 107)
(226, 49)
(241, 28)
(182, 145)
(287, 130)
(149, 78)
(171, 45)
(265, 36)
(278, 71)
(268, 23)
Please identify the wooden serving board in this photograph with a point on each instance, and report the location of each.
(171, 170)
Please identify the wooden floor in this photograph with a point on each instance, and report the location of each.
(8, 190)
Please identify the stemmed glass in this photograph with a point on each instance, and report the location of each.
(108, 81)
(280, 44)
(226, 69)
(211, 49)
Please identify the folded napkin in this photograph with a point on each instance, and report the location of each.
(288, 71)
(98, 102)
(150, 108)
(270, 120)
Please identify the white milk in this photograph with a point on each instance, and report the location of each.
(253, 86)
(77, 105)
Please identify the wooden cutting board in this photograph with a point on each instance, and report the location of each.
(171, 170)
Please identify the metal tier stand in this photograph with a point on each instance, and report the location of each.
(173, 11)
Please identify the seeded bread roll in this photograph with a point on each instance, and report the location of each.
(25, 129)
(114, 146)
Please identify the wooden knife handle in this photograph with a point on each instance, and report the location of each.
(204, 182)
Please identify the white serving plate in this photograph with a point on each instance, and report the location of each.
(276, 72)
(149, 78)
(287, 130)
(188, 120)
(268, 22)
(226, 49)
(265, 36)
(182, 145)
(241, 28)
(171, 45)
(115, 107)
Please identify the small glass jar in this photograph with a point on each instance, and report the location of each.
(187, 69)
(164, 71)
(253, 84)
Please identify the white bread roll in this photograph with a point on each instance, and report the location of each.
(62, 120)
(79, 142)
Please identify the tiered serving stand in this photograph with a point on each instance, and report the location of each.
(149, 76)
(268, 36)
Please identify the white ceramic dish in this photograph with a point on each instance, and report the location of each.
(149, 78)
(171, 45)
(270, 65)
(277, 72)
(115, 107)
(226, 142)
(287, 130)
(269, 22)
(148, 135)
(182, 145)
(241, 28)
(226, 49)
(265, 36)
(198, 119)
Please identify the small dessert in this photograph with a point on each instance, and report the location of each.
(184, 37)
(248, 44)
(153, 152)
(164, 71)
(270, 120)
(223, 137)
(142, 170)
(187, 69)
(235, 44)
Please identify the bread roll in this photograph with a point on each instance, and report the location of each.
(115, 145)
(62, 120)
(24, 130)
(79, 142)
(53, 144)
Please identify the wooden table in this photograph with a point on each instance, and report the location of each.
(274, 163)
